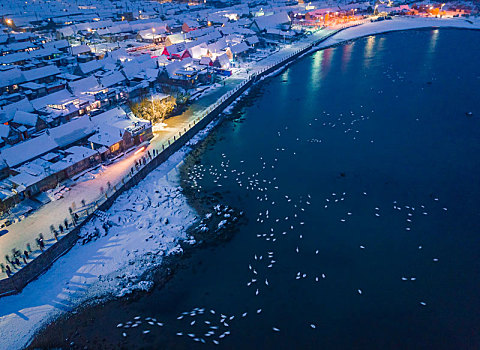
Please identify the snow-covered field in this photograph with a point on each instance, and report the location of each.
(144, 224)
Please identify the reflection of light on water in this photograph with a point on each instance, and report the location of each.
(369, 46)
(316, 74)
(346, 55)
(368, 50)
(328, 55)
(285, 74)
(431, 46)
(380, 43)
(433, 40)
(284, 85)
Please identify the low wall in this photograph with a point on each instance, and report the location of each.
(36, 267)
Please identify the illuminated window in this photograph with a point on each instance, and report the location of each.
(115, 147)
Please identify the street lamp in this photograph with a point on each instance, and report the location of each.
(153, 33)
(9, 21)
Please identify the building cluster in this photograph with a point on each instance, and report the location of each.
(378, 10)
(69, 68)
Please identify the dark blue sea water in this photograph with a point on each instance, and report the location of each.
(357, 167)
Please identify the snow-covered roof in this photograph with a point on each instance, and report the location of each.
(11, 77)
(80, 49)
(223, 61)
(73, 131)
(106, 136)
(177, 65)
(136, 66)
(199, 50)
(199, 32)
(39, 73)
(89, 67)
(58, 44)
(25, 151)
(115, 121)
(252, 40)
(32, 86)
(15, 57)
(175, 38)
(239, 48)
(154, 32)
(119, 54)
(75, 154)
(38, 169)
(205, 60)
(17, 46)
(8, 111)
(215, 35)
(218, 46)
(4, 131)
(61, 97)
(272, 21)
(85, 85)
(191, 23)
(25, 118)
(112, 79)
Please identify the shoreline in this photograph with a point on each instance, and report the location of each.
(161, 274)
(314, 49)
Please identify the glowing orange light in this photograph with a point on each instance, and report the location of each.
(140, 150)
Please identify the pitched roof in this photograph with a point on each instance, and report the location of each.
(89, 67)
(223, 61)
(39, 73)
(77, 50)
(112, 79)
(239, 48)
(88, 84)
(25, 151)
(273, 21)
(7, 112)
(11, 77)
(4, 131)
(25, 118)
(73, 131)
(57, 98)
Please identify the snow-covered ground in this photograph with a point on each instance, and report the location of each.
(145, 224)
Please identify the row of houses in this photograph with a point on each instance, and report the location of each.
(41, 163)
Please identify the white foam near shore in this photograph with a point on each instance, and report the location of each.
(139, 236)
